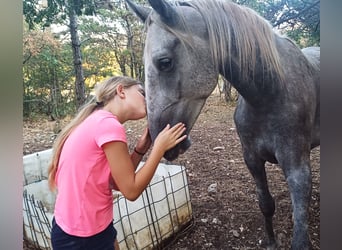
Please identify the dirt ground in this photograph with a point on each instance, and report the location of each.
(230, 217)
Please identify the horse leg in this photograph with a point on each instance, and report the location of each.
(256, 167)
(298, 178)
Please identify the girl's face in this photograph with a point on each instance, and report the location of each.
(136, 101)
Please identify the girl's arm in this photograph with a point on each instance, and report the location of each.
(141, 148)
(132, 184)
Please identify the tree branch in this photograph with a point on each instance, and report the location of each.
(300, 13)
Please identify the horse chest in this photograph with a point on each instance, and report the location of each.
(256, 134)
(260, 144)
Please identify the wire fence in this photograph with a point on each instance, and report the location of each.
(37, 226)
(151, 222)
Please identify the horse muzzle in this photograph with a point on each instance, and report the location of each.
(174, 152)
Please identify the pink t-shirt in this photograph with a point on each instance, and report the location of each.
(84, 204)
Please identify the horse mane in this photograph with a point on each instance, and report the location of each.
(239, 34)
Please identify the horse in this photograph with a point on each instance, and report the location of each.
(189, 44)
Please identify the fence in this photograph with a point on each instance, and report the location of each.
(161, 212)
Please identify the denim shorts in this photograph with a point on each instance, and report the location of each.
(101, 241)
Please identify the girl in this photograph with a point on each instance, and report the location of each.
(91, 157)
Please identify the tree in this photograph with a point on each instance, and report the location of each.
(44, 73)
(122, 33)
(73, 9)
(46, 14)
(300, 20)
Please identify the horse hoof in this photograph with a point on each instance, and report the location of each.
(269, 246)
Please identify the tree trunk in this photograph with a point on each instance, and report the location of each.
(129, 47)
(77, 56)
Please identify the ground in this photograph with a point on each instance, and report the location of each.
(230, 217)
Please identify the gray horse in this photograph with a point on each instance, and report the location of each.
(188, 44)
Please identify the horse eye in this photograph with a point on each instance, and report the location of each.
(165, 64)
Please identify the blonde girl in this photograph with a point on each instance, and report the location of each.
(91, 156)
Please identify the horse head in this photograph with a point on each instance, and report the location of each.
(179, 70)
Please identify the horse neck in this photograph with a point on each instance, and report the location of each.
(262, 84)
(258, 90)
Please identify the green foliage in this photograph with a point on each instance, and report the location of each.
(299, 20)
(37, 13)
(111, 43)
(121, 33)
(46, 76)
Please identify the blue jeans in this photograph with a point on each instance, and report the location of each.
(101, 241)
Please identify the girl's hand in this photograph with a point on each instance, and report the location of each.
(170, 136)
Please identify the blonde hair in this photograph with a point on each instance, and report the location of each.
(104, 92)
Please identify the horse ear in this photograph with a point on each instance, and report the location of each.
(167, 13)
(141, 11)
